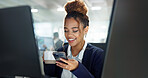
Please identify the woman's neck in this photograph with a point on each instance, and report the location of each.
(76, 49)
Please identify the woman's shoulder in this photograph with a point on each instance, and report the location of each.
(94, 48)
(93, 51)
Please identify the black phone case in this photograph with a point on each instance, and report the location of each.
(58, 55)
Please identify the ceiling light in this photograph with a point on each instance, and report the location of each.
(96, 8)
(34, 10)
(60, 9)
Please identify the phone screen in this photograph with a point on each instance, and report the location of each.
(58, 55)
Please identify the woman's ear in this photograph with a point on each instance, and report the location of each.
(86, 29)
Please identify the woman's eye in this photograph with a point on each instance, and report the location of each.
(75, 31)
(65, 31)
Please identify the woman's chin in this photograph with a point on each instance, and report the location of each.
(72, 44)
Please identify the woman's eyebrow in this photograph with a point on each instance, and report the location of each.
(65, 27)
(72, 28)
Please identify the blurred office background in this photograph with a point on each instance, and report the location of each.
(48, 16)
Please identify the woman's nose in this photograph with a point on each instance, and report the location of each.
(70, 33)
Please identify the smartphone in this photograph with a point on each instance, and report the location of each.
(58, 55)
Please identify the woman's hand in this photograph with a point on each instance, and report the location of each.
(71, 64)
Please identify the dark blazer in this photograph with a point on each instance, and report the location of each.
(91, 66)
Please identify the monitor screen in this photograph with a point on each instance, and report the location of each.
(127, 49)
(18, 49)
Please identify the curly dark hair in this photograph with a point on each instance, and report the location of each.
(78, 10)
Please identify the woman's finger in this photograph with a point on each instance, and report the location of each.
(59, 65)
(66, 61)
(62, 64)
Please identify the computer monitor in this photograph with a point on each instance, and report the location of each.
(18, 49)
(127, 47)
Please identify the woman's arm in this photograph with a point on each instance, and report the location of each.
(79, 70)
(96, 69)
(82, 72)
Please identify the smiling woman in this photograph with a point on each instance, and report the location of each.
(84, 59)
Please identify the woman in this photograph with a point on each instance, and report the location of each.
(85, 60)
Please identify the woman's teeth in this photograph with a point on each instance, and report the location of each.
(71, 39)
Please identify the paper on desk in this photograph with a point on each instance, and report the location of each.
(48, 55)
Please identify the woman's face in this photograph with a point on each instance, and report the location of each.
(74, 32)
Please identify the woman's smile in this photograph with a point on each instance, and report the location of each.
(70, 40)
